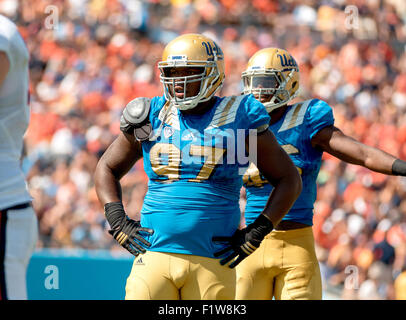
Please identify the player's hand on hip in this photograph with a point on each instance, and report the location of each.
(243, 242)
(128, 233)
(130, 238)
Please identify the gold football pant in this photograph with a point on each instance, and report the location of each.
(284, 267)
(171, 276)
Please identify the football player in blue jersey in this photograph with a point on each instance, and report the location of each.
(285, 266)
(191, 142)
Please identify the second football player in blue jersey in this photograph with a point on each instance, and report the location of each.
(193, 144)
(285, 266)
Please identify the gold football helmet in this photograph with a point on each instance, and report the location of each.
(272, 76)
(203, 61)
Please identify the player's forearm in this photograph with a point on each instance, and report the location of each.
(383, 162)
(347, 149)
(278, 168)
(366, 156)
(107, 185)
(118, 159)
(378, 160)
(283, 196)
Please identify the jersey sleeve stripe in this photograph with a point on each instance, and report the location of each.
(295, 116)
(291, 118)
(226, 112)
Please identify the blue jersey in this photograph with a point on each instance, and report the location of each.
(294, 132)
(195, 174)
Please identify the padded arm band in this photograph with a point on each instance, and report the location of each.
(115, 214)
(399, 167)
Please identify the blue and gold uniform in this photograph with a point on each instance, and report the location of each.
(285, 266)
(294, 132)
(195, 177)
(194, 150)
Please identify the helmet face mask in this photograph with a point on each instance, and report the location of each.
(181, 88)
(192, 70)
(272, 76)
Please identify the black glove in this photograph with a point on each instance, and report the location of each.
(244, 242)
(125, 230)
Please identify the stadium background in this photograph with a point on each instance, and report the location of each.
(90, 57)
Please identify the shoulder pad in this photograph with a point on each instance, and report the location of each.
(135, 118)
(137, 110)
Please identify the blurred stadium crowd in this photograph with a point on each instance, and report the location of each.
(97, 55)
